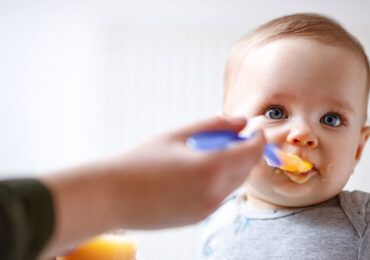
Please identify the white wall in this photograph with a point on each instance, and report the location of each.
(84, 79)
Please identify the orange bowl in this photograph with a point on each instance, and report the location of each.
(105, 247)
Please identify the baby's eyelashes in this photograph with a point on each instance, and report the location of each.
(332, 119)
(275, 112)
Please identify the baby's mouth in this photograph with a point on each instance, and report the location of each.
(298, 177)
(296, 168)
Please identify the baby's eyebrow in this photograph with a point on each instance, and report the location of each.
(342, 104)
(284, 96)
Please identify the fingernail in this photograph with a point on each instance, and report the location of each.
(252, 135)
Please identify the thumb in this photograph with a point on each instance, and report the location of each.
(237, 162)
(217, 123)
(249, 151)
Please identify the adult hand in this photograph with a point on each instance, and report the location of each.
(170, 184)
(161, 183)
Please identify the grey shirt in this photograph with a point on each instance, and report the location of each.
(335, 229)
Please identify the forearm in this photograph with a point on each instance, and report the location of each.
(85, 203)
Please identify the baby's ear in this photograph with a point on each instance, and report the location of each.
(365, 133)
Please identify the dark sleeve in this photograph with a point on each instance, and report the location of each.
(26, 218)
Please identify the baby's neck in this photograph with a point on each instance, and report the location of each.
(259, 204)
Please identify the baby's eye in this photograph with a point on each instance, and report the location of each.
(275, 113)
(331, 119)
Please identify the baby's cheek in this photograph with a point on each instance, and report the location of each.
(337, 173)
(336, 156)
(259, 173)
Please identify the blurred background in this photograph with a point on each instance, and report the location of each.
(81, 80)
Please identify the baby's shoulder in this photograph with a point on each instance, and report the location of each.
(355, 201)
(356, 205)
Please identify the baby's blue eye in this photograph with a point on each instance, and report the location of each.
(275, 113)
(331, 119)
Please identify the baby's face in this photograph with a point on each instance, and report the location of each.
(310, 98)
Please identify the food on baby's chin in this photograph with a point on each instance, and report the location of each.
(295, 168)
(105, 247)
(301, 177)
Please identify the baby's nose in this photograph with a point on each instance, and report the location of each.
(302, 137)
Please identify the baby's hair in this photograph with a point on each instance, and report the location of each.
(305, 25)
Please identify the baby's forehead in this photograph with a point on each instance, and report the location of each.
(299, 65)
(289, 47)
(294, 59)
(303, 31)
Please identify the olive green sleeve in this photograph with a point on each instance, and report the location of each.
(26, 218)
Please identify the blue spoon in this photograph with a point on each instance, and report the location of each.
(224, 139)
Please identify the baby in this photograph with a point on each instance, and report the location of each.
(307, 80)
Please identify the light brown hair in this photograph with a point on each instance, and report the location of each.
(305, 25)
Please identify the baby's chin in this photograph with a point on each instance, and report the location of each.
(278, 188)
